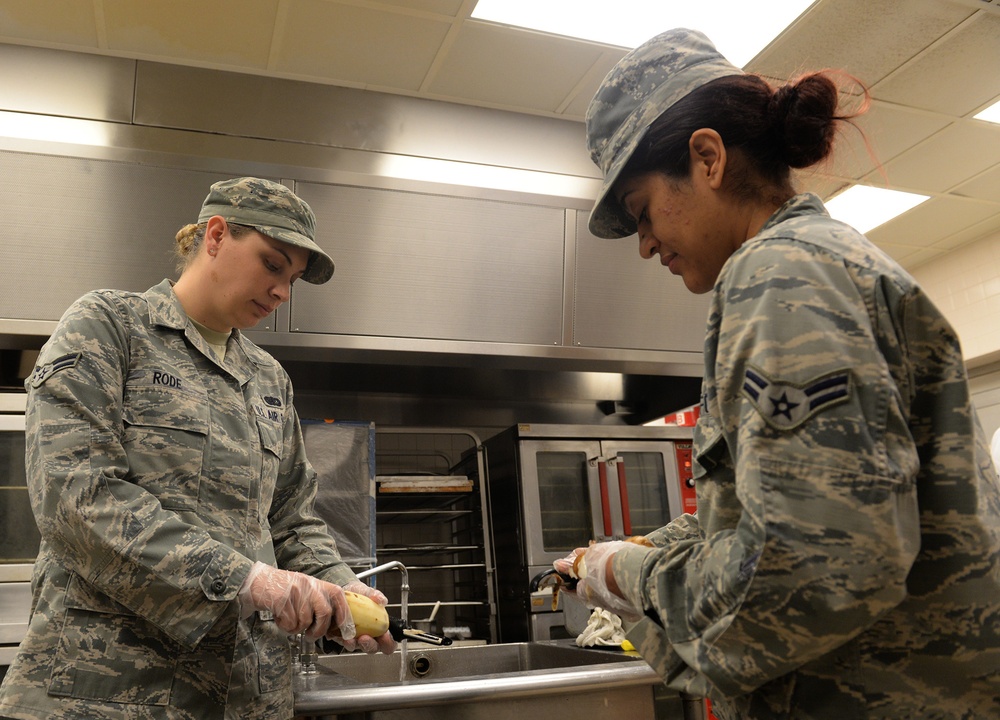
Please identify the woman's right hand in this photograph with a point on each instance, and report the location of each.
(299, 603)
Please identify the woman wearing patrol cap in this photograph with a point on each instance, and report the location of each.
(845, 558)
(172, 492)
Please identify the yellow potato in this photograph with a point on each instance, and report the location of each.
(370, 618)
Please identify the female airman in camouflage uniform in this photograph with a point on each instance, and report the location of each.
(169, 483)
(844, 562)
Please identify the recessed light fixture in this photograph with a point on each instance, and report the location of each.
(864, 207)
(990, 114)
(740, 29)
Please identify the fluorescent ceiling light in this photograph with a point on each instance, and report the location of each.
(740, 29)
(864, 208)
(990, 114)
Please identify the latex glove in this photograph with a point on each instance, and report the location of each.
(594, 573)
(368, 644)
(299, 603)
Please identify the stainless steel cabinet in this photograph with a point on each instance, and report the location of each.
(419, 269)
(412, 265)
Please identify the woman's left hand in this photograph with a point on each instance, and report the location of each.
(384, 643)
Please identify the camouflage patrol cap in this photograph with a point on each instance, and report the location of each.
(643, 85)
(273, 210)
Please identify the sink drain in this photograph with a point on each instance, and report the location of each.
(420, 665)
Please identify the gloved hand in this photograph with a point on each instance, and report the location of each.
(594, 573)
(299, 603)
(368, 644)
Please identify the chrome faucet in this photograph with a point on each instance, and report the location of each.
(404, 592)
(404, 595)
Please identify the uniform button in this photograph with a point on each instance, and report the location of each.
(218, 587)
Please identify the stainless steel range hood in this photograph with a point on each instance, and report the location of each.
(459, 233)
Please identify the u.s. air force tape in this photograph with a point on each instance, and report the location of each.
(787, 405)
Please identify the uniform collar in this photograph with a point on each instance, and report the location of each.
(165, 309)
(797, 206)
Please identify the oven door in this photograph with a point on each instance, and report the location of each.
(19, 538)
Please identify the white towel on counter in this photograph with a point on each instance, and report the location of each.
(603, 628)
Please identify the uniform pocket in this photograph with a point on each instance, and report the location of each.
(274, 659)
(165, 437)
(271, 450)
(107, 653)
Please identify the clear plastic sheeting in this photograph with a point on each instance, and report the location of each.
(343, 454)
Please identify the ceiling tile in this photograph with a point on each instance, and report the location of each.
(927, 223)
(971, 54)
(193, 30)
(868, 38)
(489, 63)
(978, 231)
(886, 131)
(358, 46)
(438, 7)
(577, 107)
(58, 22)
(908, 256)
(983, 187)
(949, 158)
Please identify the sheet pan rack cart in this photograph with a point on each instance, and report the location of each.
(431, 515)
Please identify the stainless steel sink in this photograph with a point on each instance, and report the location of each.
(508, 681)
(465, 661)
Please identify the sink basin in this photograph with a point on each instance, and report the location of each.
(464, 661)
(508, 681)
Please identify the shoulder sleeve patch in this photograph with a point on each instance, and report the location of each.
(786, 406)
(42, 373)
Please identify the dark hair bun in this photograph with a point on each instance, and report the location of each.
(803, 115)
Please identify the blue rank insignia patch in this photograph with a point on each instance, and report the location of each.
(42, 373)
(788, 405)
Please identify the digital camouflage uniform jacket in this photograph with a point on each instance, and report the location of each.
(157, 476)
(845, 559)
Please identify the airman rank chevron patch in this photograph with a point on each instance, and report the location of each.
(788, 405)
(44, 372)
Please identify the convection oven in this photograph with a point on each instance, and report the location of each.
(553, 488)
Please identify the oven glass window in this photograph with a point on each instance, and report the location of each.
(647, 491)
(19, 538)
(564, 498)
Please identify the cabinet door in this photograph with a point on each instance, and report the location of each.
(615, 290)
(561, 498)
(645, 491)
(471, 270)
(91, 242)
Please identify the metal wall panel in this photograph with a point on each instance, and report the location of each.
(80, 85)
(623, 301)
(428, 266)
(261, 107)
(78, 225)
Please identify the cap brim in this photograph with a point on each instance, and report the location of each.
(608, 218)
(320, 268)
